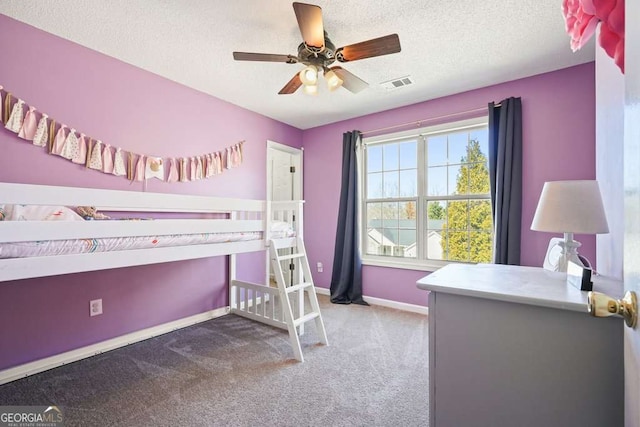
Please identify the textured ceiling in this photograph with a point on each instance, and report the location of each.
(448, 46)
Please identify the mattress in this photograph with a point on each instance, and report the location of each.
(79, 246)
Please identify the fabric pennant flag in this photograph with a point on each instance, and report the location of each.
(183, 170)
(209, 166)
(7, 108)
(199, 168)
(29, 125)
(95, 161)
(80, 155)
(154, 168)
(14, 124)
(173, 171)
(192, 169)
(107, 159)
(119, 168)
(70, 148)
(140, 169)
(42, 132)
(227, 158)
(58, 142)
(241, 151)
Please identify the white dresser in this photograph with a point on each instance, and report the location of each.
(515, 346)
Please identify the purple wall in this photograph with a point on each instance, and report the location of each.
(141, 112)
(559, 143)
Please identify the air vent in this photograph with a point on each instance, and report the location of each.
(397, 83)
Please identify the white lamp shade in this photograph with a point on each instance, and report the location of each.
(570, 207)
(311, 89)
(333, 81)
(309, 75)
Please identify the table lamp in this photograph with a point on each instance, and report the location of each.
(570, 207)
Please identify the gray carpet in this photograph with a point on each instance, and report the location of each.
(231, 371)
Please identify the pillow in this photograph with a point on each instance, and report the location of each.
(37, 213)
(281, 229)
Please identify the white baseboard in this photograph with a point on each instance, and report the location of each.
(385, 303)
(47, 363)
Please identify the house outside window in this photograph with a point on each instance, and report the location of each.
(426, 198)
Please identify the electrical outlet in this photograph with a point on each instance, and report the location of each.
(95, 307)
(320, 267)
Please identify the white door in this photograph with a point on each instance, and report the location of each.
(284, 182)
(632, 207)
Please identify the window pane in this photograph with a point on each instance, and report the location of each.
(458, 147)
(480, 246)
(437, 181)
(407, 214)
(409, 183)
(374, 228)
(478, 178)
(458, 215)
(391, 184)
(390, 215)
(407, 241)
(409, 155)
(435, 244)
(374, 158)
(480, 215)
(436, 214)
(458, 180)
(391, 159)
(437, 150)
(457, 246)
(374, 214)
(482, 136)
(374, 185)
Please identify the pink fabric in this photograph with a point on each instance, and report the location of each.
(209, 165)
(1, 100)
(140, 169)
(582, 18)
(107, 159)
(199, 174)
(81, 155)
(580, 24)
(29, 125)
(58, 142)
(611, 38)
(183, 168)
(192, 169)
(173, 171)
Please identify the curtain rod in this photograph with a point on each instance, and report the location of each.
(419, 123)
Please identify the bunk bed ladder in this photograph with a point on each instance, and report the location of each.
(304, 285)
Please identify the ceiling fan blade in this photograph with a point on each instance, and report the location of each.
(310, 22)
(292, 86)
(370, 48)
(268, 57)
(350, 81)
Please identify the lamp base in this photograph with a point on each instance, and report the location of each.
(561, 251)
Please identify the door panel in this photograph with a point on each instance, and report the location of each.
(632, 207)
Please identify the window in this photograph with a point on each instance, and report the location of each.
(426, 196)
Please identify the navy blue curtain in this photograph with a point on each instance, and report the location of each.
(346, 278)
(505, 172)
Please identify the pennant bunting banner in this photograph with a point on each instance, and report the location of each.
(64, 141)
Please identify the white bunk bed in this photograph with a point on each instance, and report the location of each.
(251, 219)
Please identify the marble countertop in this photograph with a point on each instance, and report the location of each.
(524, 285)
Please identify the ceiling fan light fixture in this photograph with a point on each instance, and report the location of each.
(333, 81)
(309, 75)
(311, 89)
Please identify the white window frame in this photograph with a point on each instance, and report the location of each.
(418, 263)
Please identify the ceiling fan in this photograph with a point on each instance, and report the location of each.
(317, 52)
